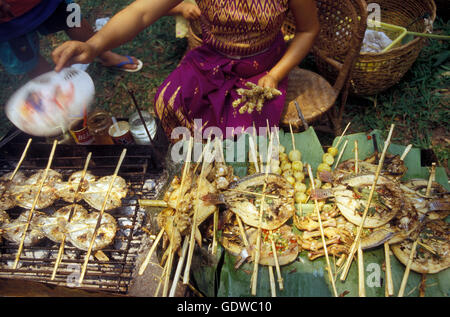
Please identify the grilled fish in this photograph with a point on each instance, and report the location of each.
(67, 190)
(54, 226)
(80, 231)
(96, 193)
(13, 231)
(7, 199)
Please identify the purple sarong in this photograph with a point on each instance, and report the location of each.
(204, 86)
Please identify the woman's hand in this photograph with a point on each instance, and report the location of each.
(73, 52)
(268, 81)
(191, 11)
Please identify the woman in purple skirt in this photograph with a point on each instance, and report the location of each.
(242, 42)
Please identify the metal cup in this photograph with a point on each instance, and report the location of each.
(120, 133)
(81, 133)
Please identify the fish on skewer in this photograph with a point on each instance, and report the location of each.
(240, 198)
(7, 199)
(67, 190)
(13, 230)
(25, 194)
(95, 194)
(433, 248)
(80, 231)
(54, 226)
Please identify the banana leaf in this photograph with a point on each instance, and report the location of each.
(305, 278)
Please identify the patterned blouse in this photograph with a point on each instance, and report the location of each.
(241, 27)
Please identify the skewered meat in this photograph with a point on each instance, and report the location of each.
(7, 199)
(67, 190)
(96, 193)
(278, 206)
(26, 194)
(4, 219)
(433, 249)
(286, 245)
(80, 232)
(13, 231)
(352, 193)
(54, 226)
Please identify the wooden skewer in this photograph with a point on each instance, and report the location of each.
(414, 246)
(169, 267)
(254, 280)
(99, 219)
(292, 136)
(341, 153)
(361, 281)
(406, 151)
(325, 249)
(152, 203)
(408, 268)
(61, 246)
(431, 179)
(356, 157)
(277, 264)
(388, 270)
(22, 158)
(161, 278)
(342, 135)
(389, 291)
(273, 289)
(179, 267)
(150, 252)
(241, 229)
(194, 223)
(372, 190)
(33, 206)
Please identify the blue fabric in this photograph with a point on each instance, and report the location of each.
(12, 64)
(28, 21)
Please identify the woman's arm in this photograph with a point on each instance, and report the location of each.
(122, 28)
(307, 28)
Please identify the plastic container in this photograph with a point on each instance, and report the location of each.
(137, 129)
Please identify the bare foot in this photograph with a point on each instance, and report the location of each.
(110, 58)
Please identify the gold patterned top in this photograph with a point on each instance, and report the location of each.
(241, 27)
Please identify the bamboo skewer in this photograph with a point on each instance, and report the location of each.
(341, 153)
(277, 264)
(179, 267)
(366, 209)
(33, 206)
(254, 280)
(389, 291)
(325, 249)
(22, 158)
(252, 193)
(61, 247)
(388, 270)
(361, 281)
(273, 289)
(356, 157)
(152, 203)
(99, 219)
(150, 252)
(414, 246)
(194, 223)
(408, 268)
(342, 135)
(292, 137)
(406, 151)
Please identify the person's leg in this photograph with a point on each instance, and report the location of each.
(109, 58)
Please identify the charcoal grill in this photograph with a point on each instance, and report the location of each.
(114, 274)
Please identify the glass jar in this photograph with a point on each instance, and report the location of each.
(137, 129)
(98, 123)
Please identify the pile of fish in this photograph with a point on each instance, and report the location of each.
(399, 213)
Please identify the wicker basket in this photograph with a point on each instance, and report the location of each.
(376, 72)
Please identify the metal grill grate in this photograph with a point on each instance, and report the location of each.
(111, 275)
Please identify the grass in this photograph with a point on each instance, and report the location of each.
(418, 105)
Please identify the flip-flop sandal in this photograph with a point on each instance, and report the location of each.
(129, 61)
